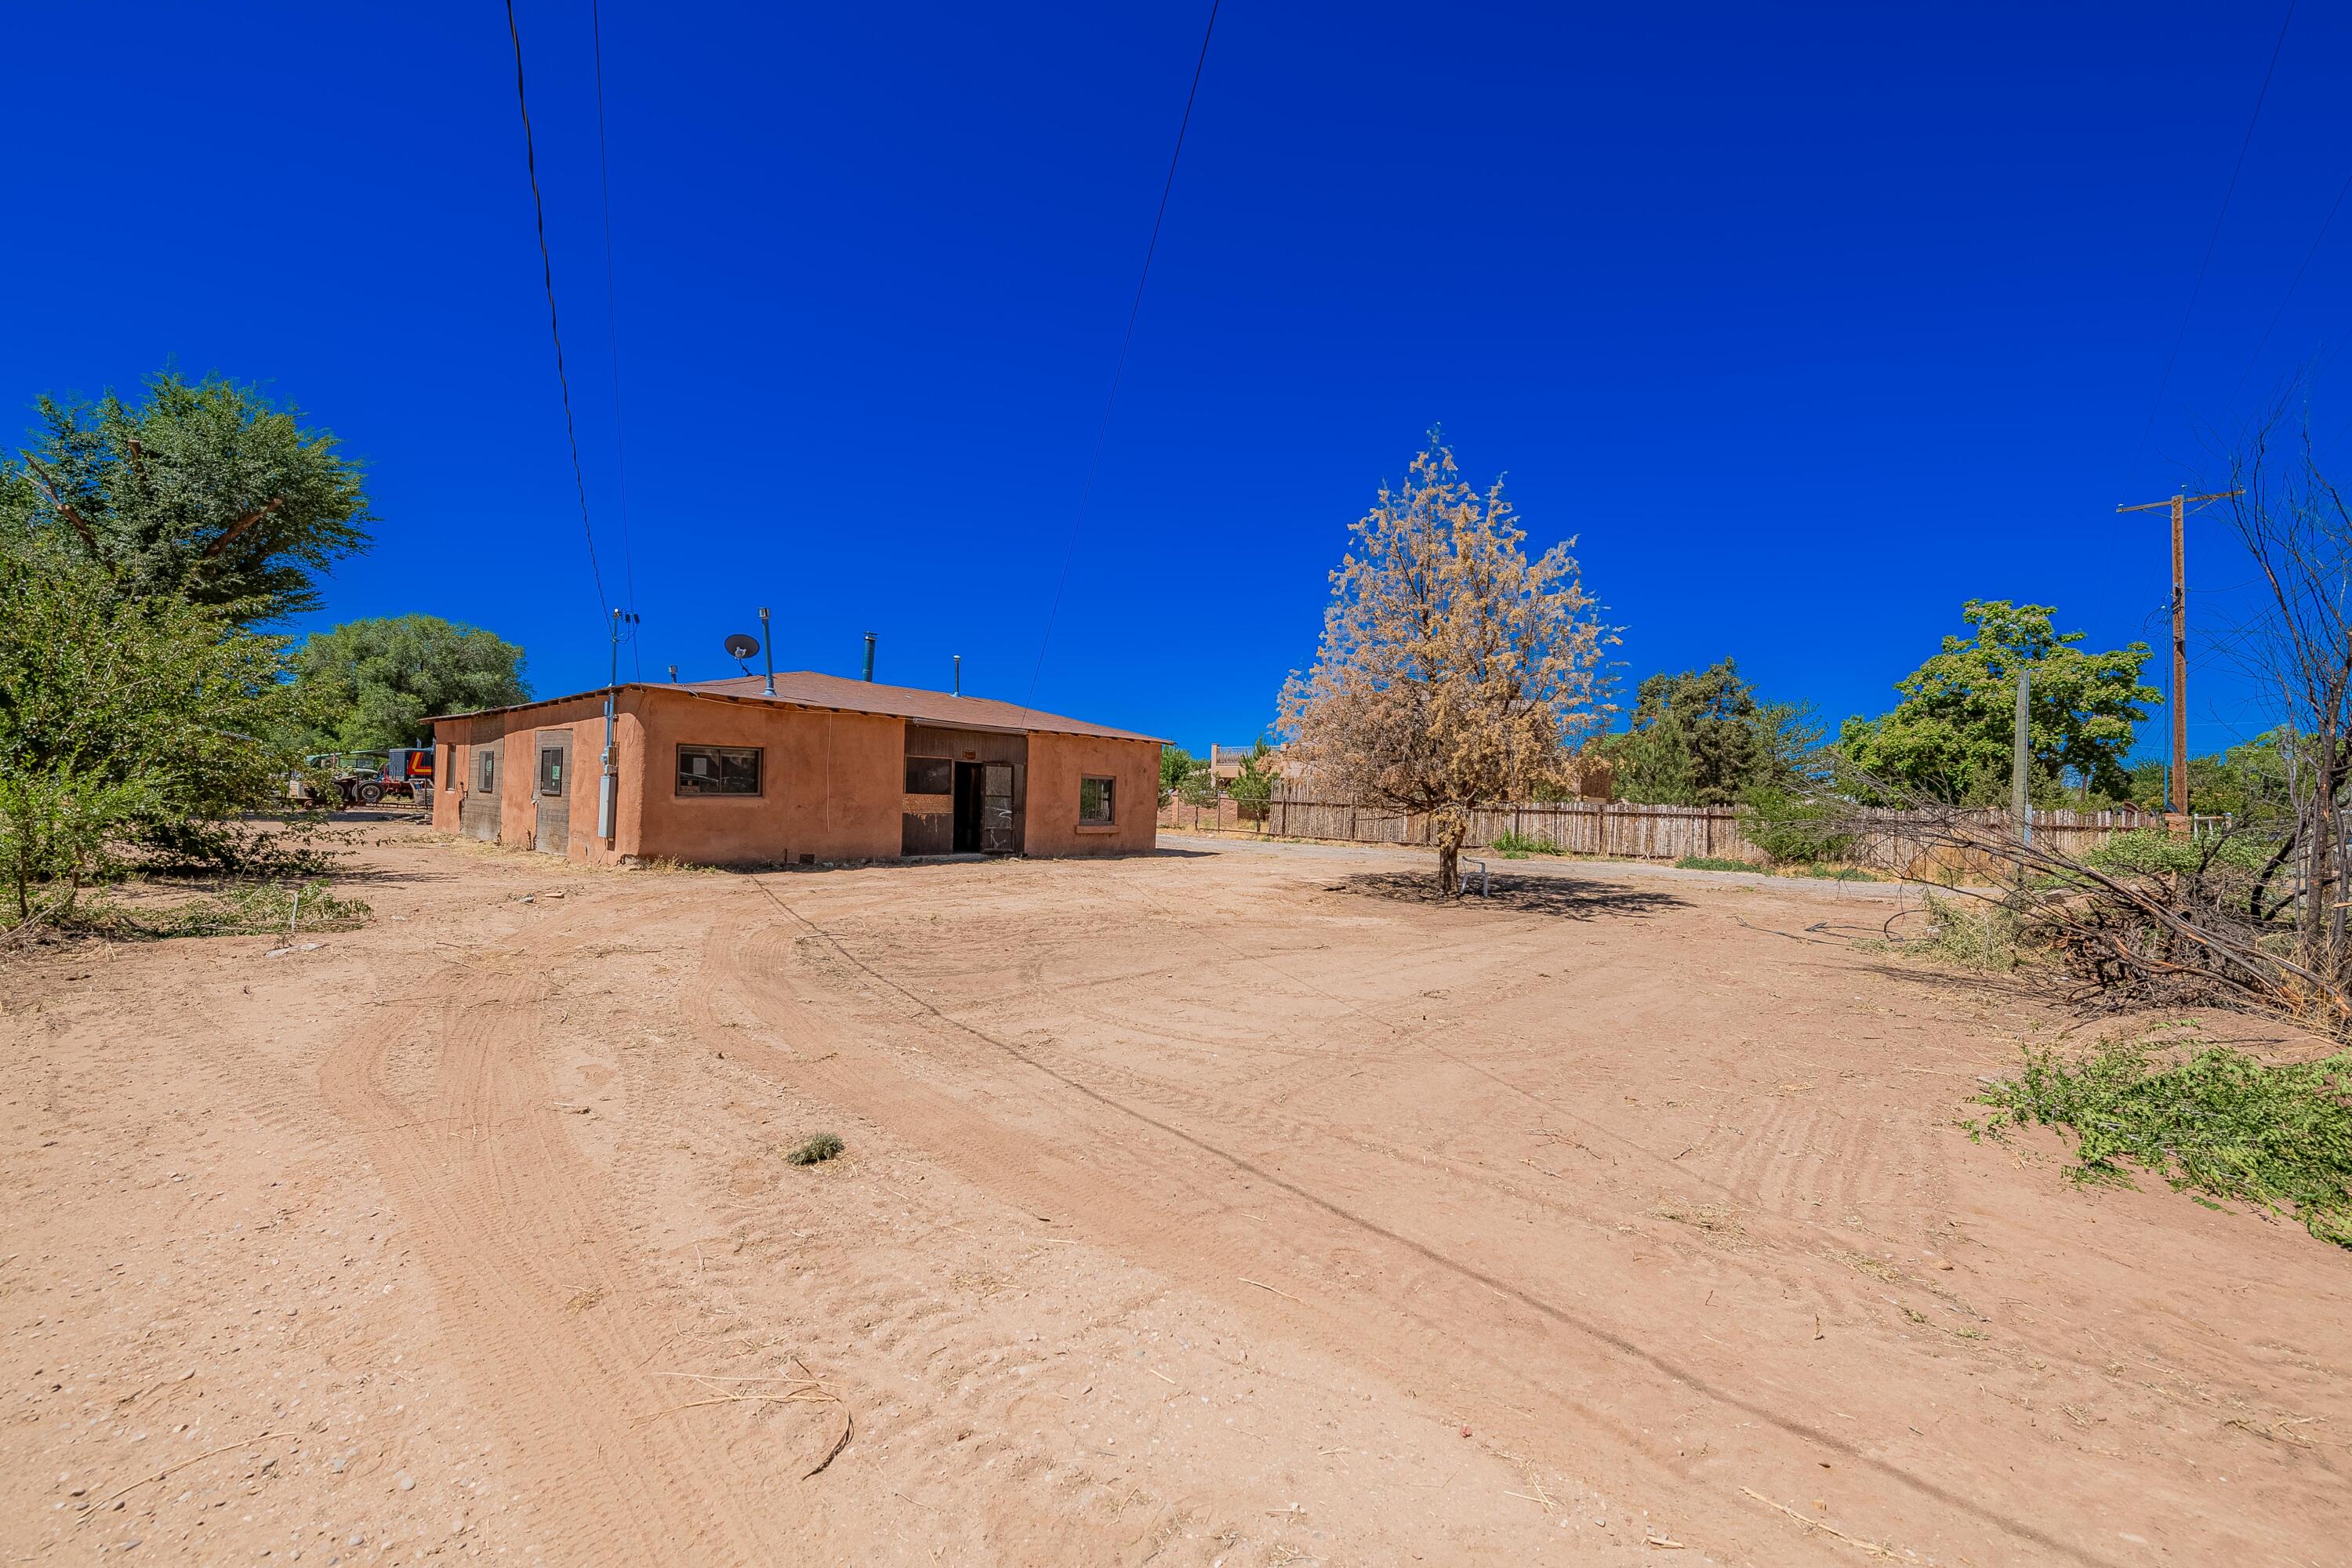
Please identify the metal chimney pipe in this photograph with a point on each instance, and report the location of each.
(673, 675)
(959, 674)
(768, 647)
(869, 656)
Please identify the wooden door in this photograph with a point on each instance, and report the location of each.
(998, 833)
(478, 809)
(551, 788)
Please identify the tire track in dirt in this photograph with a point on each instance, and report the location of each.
(1114, 1150)
(1276, 1137)
(530, 1280)
(1770, 1186)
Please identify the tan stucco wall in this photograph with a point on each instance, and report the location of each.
(1055, 764)
(832, 784)
(516, 737)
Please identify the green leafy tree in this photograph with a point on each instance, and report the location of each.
(1176, 766)
(205, 491)
(124, 719)
(1950, 736)
(371, 684)
(1701, 738)
(2247, 781)
(1252, 786)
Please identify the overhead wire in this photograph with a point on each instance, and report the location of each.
(2219, 219)
(1118, 369)
(612, 334)
(554, 327)
(2280, 314)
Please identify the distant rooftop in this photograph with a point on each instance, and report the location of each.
(808, 688)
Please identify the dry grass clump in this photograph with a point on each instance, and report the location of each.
(1974, 933)
(235, 909)
(1711, 1218)
(821, 1147)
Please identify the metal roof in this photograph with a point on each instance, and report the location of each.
(808, 688)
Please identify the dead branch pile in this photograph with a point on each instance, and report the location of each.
(2157, 919)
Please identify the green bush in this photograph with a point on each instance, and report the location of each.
(2220, 1124)
(128, 723)
(1715, 863)
(2152, 850)
(58, 826)
(1790, 828)
(1512, 845)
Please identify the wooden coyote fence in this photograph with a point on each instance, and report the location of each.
(1890, 841)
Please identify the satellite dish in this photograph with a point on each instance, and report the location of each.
(740, 647)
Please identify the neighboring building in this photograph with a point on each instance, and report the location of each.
(1225, 762)
(826, 769)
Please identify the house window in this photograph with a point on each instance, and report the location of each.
(931, 775)
(1094, 799)
(486, 771)
(718, 770)
(550, 770)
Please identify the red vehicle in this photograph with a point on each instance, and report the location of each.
(408, 770)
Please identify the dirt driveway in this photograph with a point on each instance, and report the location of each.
(1227, 1206)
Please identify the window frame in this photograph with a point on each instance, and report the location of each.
(930, 764)
(717, 753)
(485, 769)
(562, 755)
(1109, 800)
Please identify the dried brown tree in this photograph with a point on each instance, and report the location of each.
(2295, 524)
(1454, 672)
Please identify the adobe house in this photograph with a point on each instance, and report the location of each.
(719, 773)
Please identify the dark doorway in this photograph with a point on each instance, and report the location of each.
(967, 808)
(967, 786)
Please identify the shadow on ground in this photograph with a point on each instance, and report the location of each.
(1554, 896)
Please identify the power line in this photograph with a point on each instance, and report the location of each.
(612, 331)
(555, 330)
(2280, 314)
(1120, 369)
(2197, 289)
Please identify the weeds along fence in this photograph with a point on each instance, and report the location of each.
(1918, 844)
(1890, 841)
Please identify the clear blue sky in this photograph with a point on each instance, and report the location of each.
(1811, 321)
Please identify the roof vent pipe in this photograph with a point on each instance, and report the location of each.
(768, 643)
(869, 656)
(959, 674)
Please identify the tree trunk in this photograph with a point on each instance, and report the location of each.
(1449, 826)
(2320, 862)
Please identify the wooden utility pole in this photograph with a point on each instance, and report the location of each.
(2181, 504)
(2020, 759)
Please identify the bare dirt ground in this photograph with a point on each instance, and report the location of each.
(1207, 1209)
